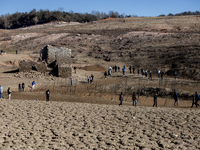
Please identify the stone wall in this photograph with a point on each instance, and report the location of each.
(28, 65)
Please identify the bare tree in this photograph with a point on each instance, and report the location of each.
(35, 20)
(5, 19)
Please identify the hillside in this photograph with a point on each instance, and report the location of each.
(167, 43)
(153, 43)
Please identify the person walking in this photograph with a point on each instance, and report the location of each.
(146, 72)
(33, 85)
(155, 100)
(88, 79)
(115, 68)
(158, 73)
(130, 68)
(123, 70)
(105, 74)
(109, 74)
(195, 100)
(175, 74)
(118, 69)
(19, 87)
(9, 93)
(92, 77)
(23, 86)
(1, 91)
(72, 82)
(162, 73)
(176, 98)
(142, 72)
(133, 70)
(75, 69)
(138, 71)
(47, 95)
(134, 99)
(150, 75)
(121, 98)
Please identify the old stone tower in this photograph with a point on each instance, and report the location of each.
(57, 58)
(57, 61)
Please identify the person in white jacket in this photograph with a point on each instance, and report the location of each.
(1, 91)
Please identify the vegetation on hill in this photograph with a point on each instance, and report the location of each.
(18, 20)
(34, 17)
(183, 13)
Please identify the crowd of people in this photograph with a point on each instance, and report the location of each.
(111, 70)
(196, 98)
(143, 72)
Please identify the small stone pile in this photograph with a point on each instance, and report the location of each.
(34, 75)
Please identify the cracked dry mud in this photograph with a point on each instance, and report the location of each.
(60, 125)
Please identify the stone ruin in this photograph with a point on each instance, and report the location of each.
(56, 61)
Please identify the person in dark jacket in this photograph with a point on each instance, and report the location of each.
(150, 75)
(118, 69)
(92, 77)
(133, 70)
(47, 95)
(74, 69)
(176, 98)
(162, 73)
(130, 68)
(23, 86)
(9, 93)
(155, 100)
(105, 74)
(19, 87)
(115, 68)
(196, 97)
(121, 98)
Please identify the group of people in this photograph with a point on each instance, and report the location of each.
(196, 98)
(90, 79)
(1, 92)
(142, 71)
(111, 69)
(21, 87)
(2, 52)
(121, 98)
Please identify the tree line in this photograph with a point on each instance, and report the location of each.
(18, 20)
(186, 13)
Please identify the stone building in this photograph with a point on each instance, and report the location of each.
(55, 60)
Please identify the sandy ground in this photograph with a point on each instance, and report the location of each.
(61, 125)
